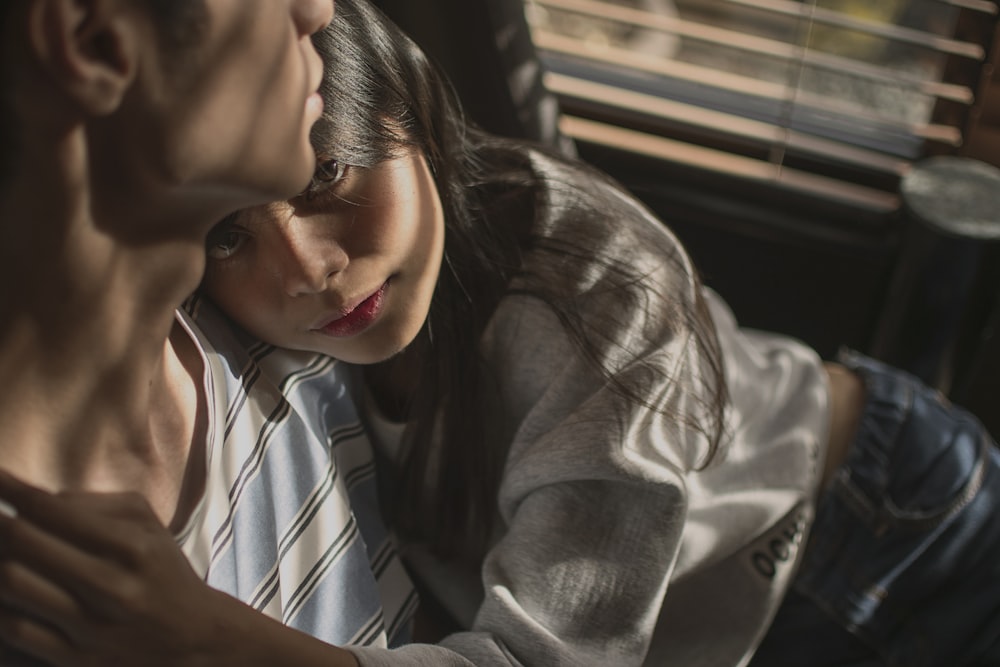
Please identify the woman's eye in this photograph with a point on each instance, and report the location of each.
(224, 243)
(328, 173)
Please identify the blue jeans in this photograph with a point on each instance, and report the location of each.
(902, 566)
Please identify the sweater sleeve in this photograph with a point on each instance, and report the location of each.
(593, 496)
(592, 502)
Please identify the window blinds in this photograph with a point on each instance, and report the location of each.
(831, 97)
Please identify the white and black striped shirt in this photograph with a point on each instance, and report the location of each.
(289, 522)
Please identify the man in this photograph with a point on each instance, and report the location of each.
(130, 127)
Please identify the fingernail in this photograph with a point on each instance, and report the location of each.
(7, 509)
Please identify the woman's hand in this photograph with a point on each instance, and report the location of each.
(96, 579)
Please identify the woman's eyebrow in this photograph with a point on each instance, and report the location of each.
(227, 220)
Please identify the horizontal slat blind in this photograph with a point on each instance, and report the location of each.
(817, 91)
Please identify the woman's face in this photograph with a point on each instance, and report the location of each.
(231, 112)
(349, 272)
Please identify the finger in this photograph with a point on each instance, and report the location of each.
(36, 642)
(10, 657)
(23, 590)
(64, 565)
(92, 521)
(6, 509)
(11, 489)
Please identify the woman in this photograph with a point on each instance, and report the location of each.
(588, 461)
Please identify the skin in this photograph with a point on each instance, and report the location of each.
(92, 328)
(135, 152)
(284, 271)
(243, 108)
(847, 400)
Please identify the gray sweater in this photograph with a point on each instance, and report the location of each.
(617, 545)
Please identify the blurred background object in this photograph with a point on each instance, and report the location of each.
(773, 136)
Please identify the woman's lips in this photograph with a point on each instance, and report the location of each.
(359, 318)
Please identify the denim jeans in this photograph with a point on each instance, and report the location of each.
(902, 566)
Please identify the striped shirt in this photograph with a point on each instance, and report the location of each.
(289, 521)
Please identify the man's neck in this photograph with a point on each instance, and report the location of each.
(101, 387)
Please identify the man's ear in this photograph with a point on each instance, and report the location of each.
(88, 47)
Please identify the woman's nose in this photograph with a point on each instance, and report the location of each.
(308, 261)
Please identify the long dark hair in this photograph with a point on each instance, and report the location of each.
(383, 94)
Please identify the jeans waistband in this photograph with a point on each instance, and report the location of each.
(896, 451)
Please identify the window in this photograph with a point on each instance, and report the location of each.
(829, 99)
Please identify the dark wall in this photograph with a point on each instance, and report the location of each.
(486, 49)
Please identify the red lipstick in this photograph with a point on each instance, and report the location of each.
(358, 318)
